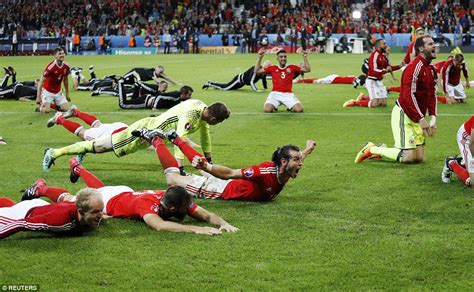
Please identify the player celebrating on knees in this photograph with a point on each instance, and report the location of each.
(49, 86)
(262, 182)
(465, 172)
(378, 67)
(282, 79)
(417, 96)
(451, 76)
(34, 214)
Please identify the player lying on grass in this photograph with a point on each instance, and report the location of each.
(462, 166)
(186, 118)
(25, 90)
(80, 82)
(139, 100)
(330, 79)
(417, 98)
(32, 214)
(131, 89)
(261, 182)
(155, 207)
(247, 78)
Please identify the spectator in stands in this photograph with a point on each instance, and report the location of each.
(147, 42)
(132, 42)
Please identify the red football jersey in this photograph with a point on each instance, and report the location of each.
(54, 75)
(135, 205)
(56, 218)
(282, 78)
(468, 125)
(439, 65)
(258, 183)
(410, 50)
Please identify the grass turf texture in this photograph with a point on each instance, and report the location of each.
(377, 225)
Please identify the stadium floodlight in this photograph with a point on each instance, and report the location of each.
(356, 14)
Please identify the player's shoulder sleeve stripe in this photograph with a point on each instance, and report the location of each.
(50, 66)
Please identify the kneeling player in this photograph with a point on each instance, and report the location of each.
(465, 172)
(451, 77)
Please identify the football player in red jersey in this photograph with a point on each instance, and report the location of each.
(49, 86)
(155, 207)
(282, 79)
(261, 182)
(462, 166)
(34, 214)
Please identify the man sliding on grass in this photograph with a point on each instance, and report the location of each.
(262, 182)
(155, 207)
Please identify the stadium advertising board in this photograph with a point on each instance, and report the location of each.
(218, 50)
(133, 51)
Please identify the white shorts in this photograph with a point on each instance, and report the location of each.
(208, 187)
(456, 91)
(48, 97)
(375, 88)
(276, 99)
(464, 139)
(108, 193)
(102, 130)
(19, 211)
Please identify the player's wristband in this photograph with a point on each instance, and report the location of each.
(209, 167)
(432, 121)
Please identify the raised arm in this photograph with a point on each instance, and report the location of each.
(310, 145)
(307, 67)
(155, 222)
(202, 214)
(257, 68)
(220, 171)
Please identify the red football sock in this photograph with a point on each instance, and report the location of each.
(51, 193)
(365, 97)
(91, 180)
(307, 80)
(460, 171)
(362, 103)
(164, 155)
(441, 99)
(54, 107)
(69, 125)
(393, 89)
(187, 150)
(6, 202)
(86, 117)
(343, 80)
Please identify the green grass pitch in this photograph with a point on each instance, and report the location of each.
(337, 226)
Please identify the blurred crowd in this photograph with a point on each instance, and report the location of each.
(60, 18)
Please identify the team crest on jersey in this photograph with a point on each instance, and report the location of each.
(248, 172)
(288, 70)
(155, 208)
(187, 126)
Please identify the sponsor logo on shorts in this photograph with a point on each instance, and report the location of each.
(248, 172)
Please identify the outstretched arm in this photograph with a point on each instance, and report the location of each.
(202, 214)
(169, 79)
(155, 222)
(220, 171)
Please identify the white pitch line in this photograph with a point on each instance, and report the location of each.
(249, 114)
